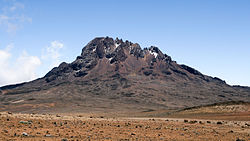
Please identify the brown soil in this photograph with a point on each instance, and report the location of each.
(225, 111)
(82, 127)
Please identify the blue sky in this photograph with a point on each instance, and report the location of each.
(212, 36)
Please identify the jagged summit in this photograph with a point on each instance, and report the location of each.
(115, 54)
(112, 74)
(108, 48)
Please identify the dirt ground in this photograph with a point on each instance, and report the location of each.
(81, 127)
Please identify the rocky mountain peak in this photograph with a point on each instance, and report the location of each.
(115, 73)
(104, 54)
(116, 50)
(106, 49)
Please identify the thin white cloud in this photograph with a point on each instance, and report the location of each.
(16, 5)
(12, 17)
(24, 67)
(52, 53)
(17, 70)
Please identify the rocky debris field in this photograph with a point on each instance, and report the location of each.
(81, 127)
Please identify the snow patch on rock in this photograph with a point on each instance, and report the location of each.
(116, 45)
(153, 53)
(110, 58)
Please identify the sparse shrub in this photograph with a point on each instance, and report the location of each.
(158, 128)
(239, 139)
(54, 123)
(219, 122)
(193, 121)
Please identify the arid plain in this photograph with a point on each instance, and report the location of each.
(203, 123)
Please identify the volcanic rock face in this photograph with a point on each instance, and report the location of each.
(112, 75)
(114, 56)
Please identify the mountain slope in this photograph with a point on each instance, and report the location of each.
(112, 75)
